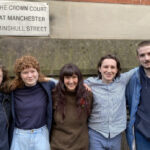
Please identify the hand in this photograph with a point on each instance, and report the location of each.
(47, 78)
(87, 87)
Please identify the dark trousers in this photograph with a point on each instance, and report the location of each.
(141, 142)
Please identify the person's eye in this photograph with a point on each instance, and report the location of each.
(24, 72)
(142, 55)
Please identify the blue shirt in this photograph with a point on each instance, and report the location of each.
(108, 115)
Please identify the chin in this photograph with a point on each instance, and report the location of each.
(147, 67)
(71, 89)
(110, 80)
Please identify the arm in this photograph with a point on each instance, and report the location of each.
(125, 77)
(52, 79)
(129, 90)
(87, 87)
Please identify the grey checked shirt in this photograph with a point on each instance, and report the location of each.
(108, 115)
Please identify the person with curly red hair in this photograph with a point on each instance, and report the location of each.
(31, 106)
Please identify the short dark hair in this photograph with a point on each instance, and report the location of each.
(142, 44)
(109, 56)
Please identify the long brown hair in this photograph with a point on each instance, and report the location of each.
(5, 80)
(80, 92)
(23, 63)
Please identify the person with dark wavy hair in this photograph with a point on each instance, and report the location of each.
(117, 65)
(108, 117)
(31, 106)
(72, 106)
(4, 110)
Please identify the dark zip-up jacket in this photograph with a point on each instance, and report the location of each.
(47, 86)
(4, 121)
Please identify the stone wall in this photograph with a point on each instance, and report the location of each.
(81, 33)
(54, 53)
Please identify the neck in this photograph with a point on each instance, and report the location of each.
(106, 82)
(147, 72)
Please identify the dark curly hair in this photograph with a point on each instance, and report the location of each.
(109, 56)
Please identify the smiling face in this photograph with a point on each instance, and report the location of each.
(144, 56)
(71, 82)
(29, 76)
(108, 70)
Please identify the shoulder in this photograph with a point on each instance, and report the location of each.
(51, 83)
(91, 80)
(126, 76)
(55, 99)
(48, 84)
(6, 96)
(6, 101)
(134, 81)
(135, 76)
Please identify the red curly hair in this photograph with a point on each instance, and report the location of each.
(23, 63)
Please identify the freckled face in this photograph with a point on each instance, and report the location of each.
(29, 76)
(71, 82)
(108, 70)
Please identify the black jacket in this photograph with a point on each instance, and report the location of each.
(4, 121)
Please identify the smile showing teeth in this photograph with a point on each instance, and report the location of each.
(108, 70)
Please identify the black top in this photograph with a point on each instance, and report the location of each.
(30, 107)
(4, 121)
(142, 123)
(1, 97)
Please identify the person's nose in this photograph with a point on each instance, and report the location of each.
(29, 74)
(147, 57)
(109, 69)
(71, 80)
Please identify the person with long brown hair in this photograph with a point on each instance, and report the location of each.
(4, 109)
(72, 105)
(31, 106)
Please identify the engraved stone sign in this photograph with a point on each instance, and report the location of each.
(24, 18)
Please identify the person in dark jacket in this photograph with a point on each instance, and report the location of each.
(138, 100)
(31, 106)
(4, 110)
